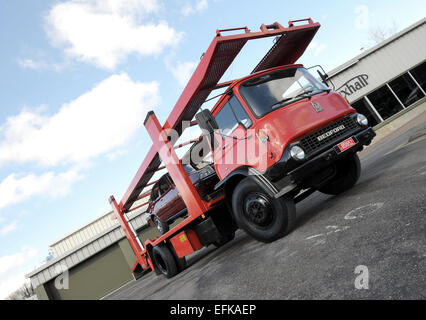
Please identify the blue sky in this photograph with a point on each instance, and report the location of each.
(78, 76)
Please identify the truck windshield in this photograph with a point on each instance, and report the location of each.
(270, 91)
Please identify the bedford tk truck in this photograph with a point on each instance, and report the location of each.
(276, 136)
(271, 139)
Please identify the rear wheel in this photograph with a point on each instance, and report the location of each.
(348, 171)
(263, 217)
(180, 262)
(164, 261)
(162, 226)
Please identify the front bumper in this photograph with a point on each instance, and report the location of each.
(294, 173)
(331, 155)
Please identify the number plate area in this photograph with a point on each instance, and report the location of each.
(346, 144)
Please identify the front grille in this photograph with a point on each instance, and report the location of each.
(311, 143)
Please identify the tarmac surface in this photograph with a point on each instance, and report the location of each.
(373, 235)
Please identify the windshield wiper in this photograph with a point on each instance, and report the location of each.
(304, 94)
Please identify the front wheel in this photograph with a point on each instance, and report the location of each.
(348, 171)
(263, 217)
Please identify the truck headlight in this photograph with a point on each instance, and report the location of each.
(297, 153)
(362, 120)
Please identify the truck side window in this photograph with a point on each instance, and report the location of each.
(241, 114)
(226, 118)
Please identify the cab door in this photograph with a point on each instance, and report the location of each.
(233, 122)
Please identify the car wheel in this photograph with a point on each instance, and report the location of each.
(348, 171)
(263, 217)
(162, 226)
(164, 261)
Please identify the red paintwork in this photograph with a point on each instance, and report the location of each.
(137, 249)
(216, 60)
(185, 243)
(189, 194)
(283, 126)
(195, 205)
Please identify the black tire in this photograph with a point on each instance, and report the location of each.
(261, 216)
(162, 226)
(164, 260)
(224, 240)
(348, 171)
(180, 262)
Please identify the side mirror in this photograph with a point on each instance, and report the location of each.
(206, 121)
(323, 75)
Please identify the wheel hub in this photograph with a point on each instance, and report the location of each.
(159, 226)
(258, 210)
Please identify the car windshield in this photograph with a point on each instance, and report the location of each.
(270, 91)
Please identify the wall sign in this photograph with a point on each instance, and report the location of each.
(353, 85)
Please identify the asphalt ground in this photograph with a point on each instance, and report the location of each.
(367, 243)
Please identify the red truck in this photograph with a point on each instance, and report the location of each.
(311, 136)
(274, 136)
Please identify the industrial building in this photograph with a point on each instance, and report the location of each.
(384, 82)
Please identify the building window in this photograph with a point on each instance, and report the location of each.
(406, 89)
(384, 102)
(419, 73)
(362, 107)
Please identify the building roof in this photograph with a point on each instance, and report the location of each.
(83, 251)
(375, 48)
(92, 229)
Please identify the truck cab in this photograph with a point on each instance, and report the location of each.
(276, 133)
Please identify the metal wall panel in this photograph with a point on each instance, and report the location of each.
(92, 230)
(385, 63)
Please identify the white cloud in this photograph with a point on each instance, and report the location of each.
(183, 71)
(316, 48)
(97, 122)
(200, 5)
(16, 260)
(15, 189)
(10, 282)
(30, 64)
(104, 32)
(8, 228)
(38, 65)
